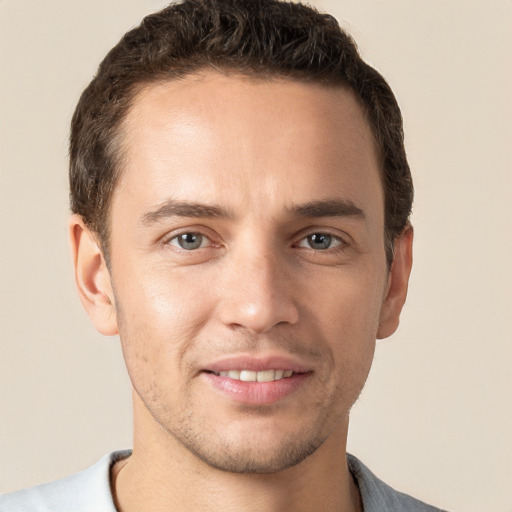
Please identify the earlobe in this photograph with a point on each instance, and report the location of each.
(92, 277)
(398, 282)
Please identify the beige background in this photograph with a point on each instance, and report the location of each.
(435, 419)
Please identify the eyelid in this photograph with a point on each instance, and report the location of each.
(344, 238)
(195, 230)
(335, 238)
(205, 241)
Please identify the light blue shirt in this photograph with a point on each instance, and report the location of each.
(89, 491)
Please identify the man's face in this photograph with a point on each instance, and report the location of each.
(247, 243)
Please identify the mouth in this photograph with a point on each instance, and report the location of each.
(256, 380)
(256, 376)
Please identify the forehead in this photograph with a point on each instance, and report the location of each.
(235, 139)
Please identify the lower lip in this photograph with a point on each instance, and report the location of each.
(256, 393)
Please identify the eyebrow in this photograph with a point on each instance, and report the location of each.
(313, 209)
(328, 208)
(174, 208)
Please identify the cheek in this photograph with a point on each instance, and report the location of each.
(349, 317)
(163, 298)
(159, 317)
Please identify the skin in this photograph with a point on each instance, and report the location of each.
(280, 179)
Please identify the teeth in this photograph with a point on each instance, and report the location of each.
(250, 376)
(266, 376)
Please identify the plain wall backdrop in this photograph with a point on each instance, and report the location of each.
(435, 418)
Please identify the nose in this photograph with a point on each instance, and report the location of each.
(257, 292)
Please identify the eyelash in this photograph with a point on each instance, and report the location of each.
(331, 238)
(188, 233)
(340, 244)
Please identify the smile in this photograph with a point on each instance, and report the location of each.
(256, 387)
(252, 376)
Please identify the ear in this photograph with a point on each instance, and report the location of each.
(398, 281)
(92, 277)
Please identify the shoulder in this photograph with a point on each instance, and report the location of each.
(380, 497)
(86, 491)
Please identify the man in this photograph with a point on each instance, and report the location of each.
(240, 198)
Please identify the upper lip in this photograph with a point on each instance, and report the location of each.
(257, 363)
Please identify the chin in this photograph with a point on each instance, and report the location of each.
(258, 448)
(256, 461)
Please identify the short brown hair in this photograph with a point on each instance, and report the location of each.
(260, 38)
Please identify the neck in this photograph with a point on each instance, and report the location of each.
(162, 475)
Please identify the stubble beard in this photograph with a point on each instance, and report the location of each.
(247, 455)
(244, 454)
(245, 458)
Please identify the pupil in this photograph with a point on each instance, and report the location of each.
(190, 240)
(320, 241)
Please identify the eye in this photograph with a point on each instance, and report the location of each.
(320, 241)
(189, 241)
